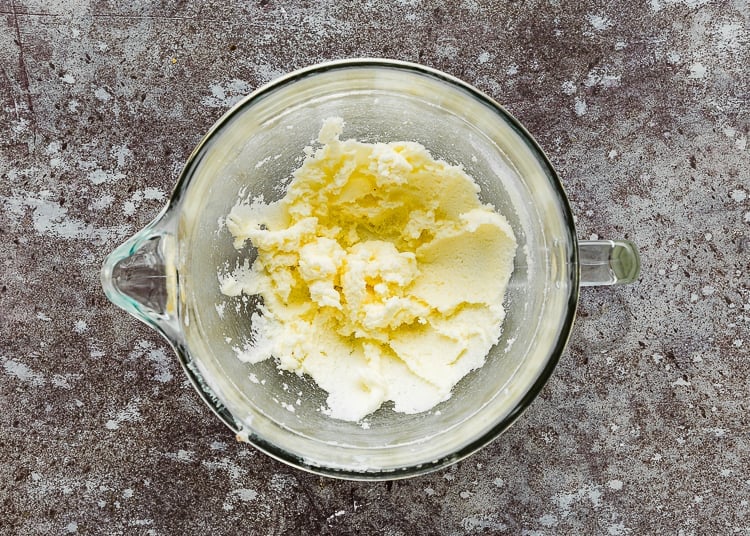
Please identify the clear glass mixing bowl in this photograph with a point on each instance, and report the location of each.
(166, 275)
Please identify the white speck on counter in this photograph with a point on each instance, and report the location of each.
(225, 464)
(128, 208)
(618, 529)
(102, 94)
(697, 71)
(580, 106)
(446, 49)
(285, 483)
(241, 494)
(62, 381)
(673, 57)
(245, 494)
(599, 22)
(564, 501)
(334, 515)
(265, 72)
(184, 456)
(477, 523)
(51, 219)
(569, 87)
(130, 413)
(615, 485)
(100, 176)
(548, 520)
(739, 195)
(729, 36)
(162, 363)
(658, 5)
(729, 131)
(80, 326)
(155, 355)
(471, 5)
(226, 94)
(484, 57)
(600, 77)
(22, 372)
(103, 202)
(153, 194)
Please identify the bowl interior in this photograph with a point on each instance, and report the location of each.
(253, 153)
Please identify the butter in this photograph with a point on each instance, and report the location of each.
(381, 272)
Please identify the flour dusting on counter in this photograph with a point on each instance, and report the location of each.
(381, 272)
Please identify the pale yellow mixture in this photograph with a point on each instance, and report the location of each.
(382, 274)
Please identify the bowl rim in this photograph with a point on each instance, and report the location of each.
(566, 323)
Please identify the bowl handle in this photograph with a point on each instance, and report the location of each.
(608, 262)
(141, 278)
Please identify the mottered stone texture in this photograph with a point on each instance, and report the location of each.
(644, 108)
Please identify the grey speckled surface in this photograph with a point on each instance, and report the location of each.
(642, 106)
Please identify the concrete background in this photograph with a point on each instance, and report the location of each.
(644, 108)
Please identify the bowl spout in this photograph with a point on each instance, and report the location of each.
(140, 277)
